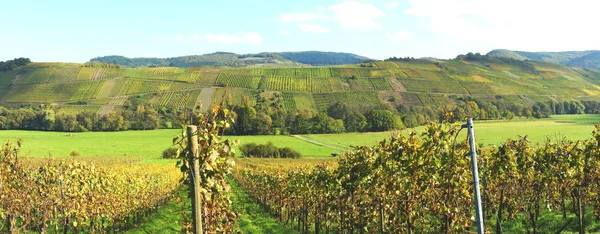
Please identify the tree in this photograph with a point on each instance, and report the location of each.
(338, 110)
(24, 119)
(381, 120)
(66, 122)
(321, 123)
(3, 123)
(355, 122)
(300, 123)
(509, 115)
(528, 113)
(87, 120)
(150, 119)
(472, 109)
(244, 123)
(410, 121)
(262, 124)
(45, 120)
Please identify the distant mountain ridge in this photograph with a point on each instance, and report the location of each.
(589, 59)
(313, 58)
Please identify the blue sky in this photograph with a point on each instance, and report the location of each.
(76, 31)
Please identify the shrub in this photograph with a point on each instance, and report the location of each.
(74, 153)
(267, 151)
(170, 153)
(287, 152)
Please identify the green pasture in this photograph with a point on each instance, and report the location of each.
(150, 144)
(573, 127)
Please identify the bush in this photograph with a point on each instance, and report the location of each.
(267, 151)
(170, 153)
(74, 153)
(288, 153)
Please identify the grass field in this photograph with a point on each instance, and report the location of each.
(150, 144)
(574, 127)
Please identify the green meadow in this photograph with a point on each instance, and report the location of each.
(150, 144)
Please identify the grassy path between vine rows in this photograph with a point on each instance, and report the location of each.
(252, 217)
(166, 220)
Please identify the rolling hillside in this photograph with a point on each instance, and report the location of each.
(313, 58)
(76, 87)
(583, 59)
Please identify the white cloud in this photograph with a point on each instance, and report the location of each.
(349, 14)
(391, 5)
(285, 32)
(195, 36)
(250, 38)
(300, 17)
(179, 37)
(399, 36)
(356, 15)
(313, 28)
(532, 25)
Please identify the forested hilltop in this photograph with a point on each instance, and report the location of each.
(367, 96)
(314, 58)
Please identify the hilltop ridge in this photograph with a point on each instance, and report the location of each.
(271, 59)
(589, 59)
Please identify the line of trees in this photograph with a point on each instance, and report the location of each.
(490, 110)
(8, 65)
(264, 119)
(270, 117)
(140, 117)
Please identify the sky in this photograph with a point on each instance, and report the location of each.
(76, 31)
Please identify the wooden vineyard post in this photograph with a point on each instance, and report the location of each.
(194, 166)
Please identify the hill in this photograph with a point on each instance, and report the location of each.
(313, 58)
(393, 85)
(582, 59)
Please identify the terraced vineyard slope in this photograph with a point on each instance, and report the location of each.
(364, 86)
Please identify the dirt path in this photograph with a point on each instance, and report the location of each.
(320, 143)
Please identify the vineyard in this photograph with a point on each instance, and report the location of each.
(49, 75)
(289, 102)
(75, 109)
(411, 99)
(7, 77)
(344, 72)
(433, 86)
(77, 196)
(139, 86)
(42, 92)
(304, 101)
(475, 88)
(357, 100)
(234, 95)
(432, 100)
(184, 99)
(286, 83)
(87, 90)
(421, 183)
(297, 72)
(238, 80)
(313, 88)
